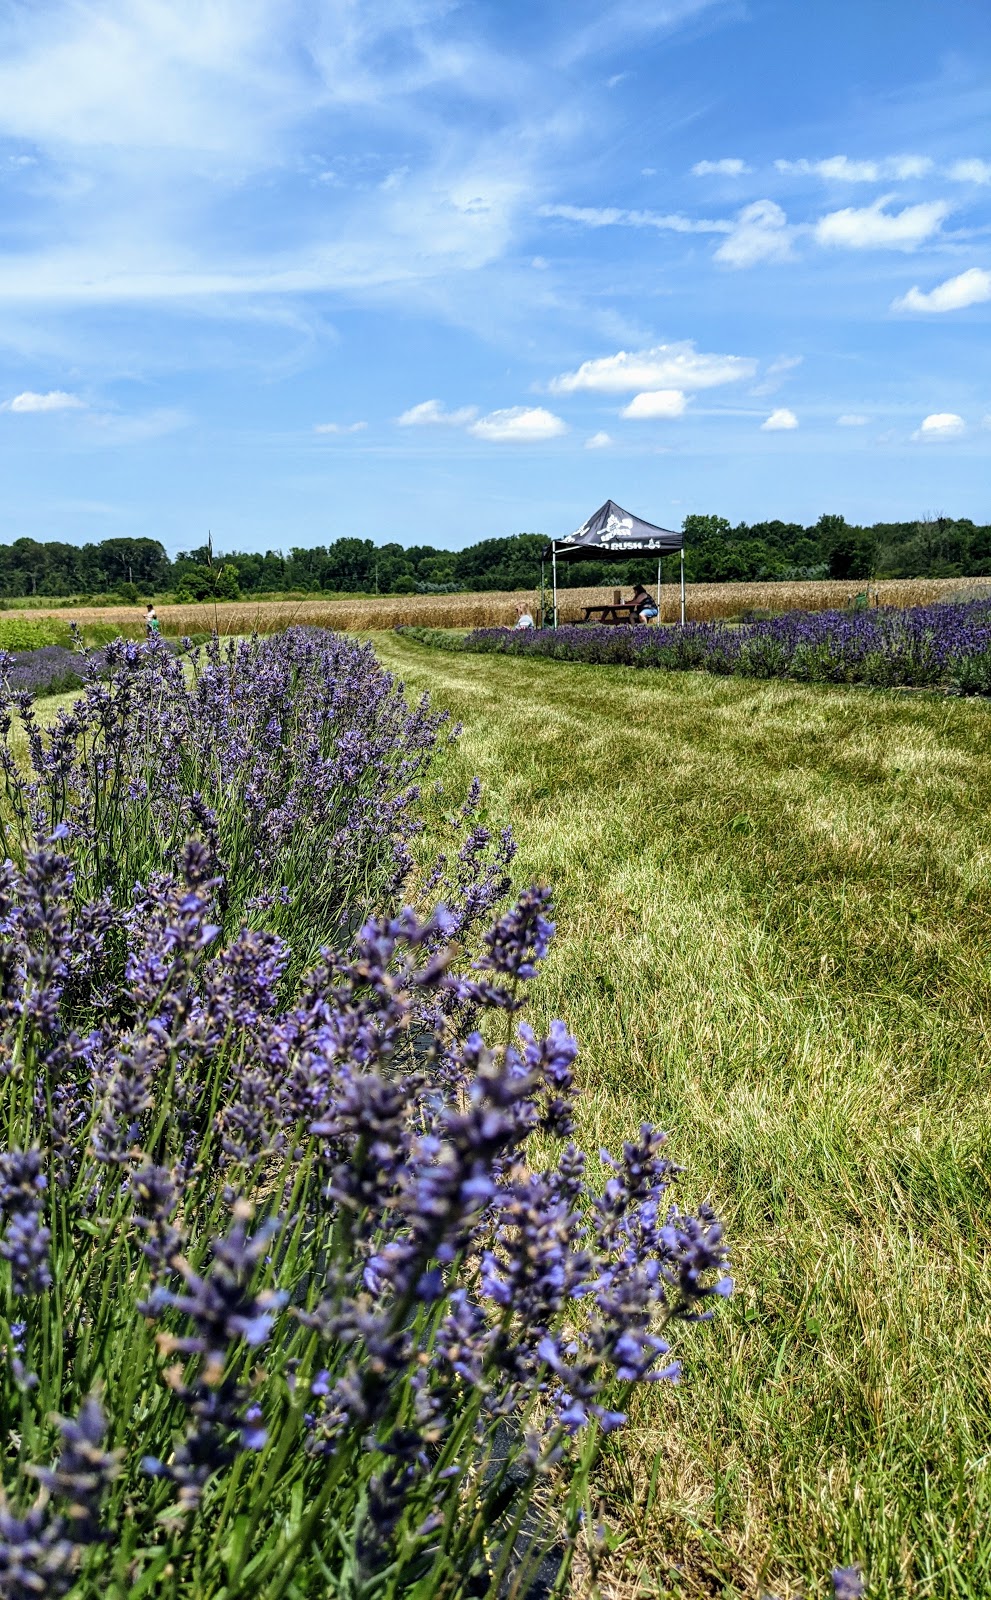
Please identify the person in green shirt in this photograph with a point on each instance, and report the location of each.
(151, 621)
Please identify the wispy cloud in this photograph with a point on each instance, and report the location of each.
(779, 421)
(519, 425)
(873, 227)
(54, 400)
(760, 233)
(431, 413)
(615, 216)
(966, 289)
(728, 167)
(339, 427)
(111, 428)
(655, 403)
(598, 441)
(846, 169)
(775, 374)
(852, 419)
(940, 425)
(663, 366)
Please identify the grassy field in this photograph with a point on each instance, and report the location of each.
(706, 602)
(773, 939)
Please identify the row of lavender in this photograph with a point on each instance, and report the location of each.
(939, 645)
(303, 1286)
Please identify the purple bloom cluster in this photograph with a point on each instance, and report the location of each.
(295, 758)
(937, 645)
(268, 1180)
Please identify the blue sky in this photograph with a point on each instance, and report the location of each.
(433, 271)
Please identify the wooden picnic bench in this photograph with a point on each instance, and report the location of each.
(610, 615)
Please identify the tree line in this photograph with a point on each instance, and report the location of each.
(716, 551)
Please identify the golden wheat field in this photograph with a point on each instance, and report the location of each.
(706, 602)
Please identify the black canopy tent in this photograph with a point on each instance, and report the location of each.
(612, 534)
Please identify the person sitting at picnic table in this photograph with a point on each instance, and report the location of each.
(644, 604)
(523, 618)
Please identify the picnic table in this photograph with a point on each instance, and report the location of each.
(611, 615)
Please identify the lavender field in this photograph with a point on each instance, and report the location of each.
(305, 1287)
(938, 646)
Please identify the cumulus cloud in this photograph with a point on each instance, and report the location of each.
(779, 421)
(518, 425)
(843, 169)
(940, 425)
(874, 228)
(430, 412)
(598, 441)
(655, 403)
(760, 233)
(728, 167)
(852, 419)
(54, 400)
(966, 289)
(971, 171)
(663, 366)
(339, 427)
(615, 216)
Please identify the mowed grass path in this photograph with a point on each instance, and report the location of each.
(773, 940)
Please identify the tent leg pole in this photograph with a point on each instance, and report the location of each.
(554, 580)
(542, 594)
(683, 586)
(660, 608)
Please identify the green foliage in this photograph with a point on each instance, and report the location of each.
(31, 633)
(55, 569)
(715, 552)
(437, 638)
(203, 581)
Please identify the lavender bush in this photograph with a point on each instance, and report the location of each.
(303, 1286)
(938, 645)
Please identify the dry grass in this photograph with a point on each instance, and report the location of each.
(706, 602)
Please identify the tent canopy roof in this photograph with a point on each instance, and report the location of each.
(614, 534)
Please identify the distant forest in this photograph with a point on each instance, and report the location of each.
(715, 552)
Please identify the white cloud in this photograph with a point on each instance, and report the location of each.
(430, 412)
(760, 233)
(779, 421)
(776, 373)
(843, 169)
(873, 228)
(940, 425)
(614, 216)
(966, 289)
(159, 120)
(598, 441)
(339, 427)
(518, 425)
(971, 171)
(663, 366)
(54, 400)
(728, 167)
(655, 403)
(852, 419)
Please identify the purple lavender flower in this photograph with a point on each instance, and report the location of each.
(848, 1583)
(40, 1549)
(25, 1242)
